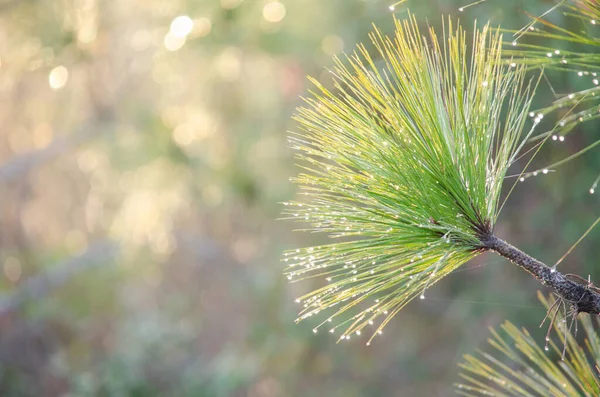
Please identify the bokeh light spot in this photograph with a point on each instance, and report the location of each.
(181, 26)
(202, 27)
(332, 45)
(273, 11)
(172, 42)
(229, 65)
(58, 77)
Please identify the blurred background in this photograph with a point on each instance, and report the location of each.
(143, 155)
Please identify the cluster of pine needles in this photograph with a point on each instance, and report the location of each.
(404, 161)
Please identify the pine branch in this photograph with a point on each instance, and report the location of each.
(581, 297)
(403, 164)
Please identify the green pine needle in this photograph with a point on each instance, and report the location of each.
(533, 370)
(403, 166)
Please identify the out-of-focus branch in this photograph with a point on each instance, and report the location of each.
(43, 284)
(21, 164)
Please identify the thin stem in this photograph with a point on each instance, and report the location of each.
(581, 297)
(577, 242)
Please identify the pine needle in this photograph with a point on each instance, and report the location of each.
(577, 242)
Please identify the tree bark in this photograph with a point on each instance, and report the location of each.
(583, 298)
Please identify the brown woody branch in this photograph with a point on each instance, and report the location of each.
(584, 298)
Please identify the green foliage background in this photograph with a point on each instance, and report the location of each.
(139, 251)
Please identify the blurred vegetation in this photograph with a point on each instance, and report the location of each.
(141, 159)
